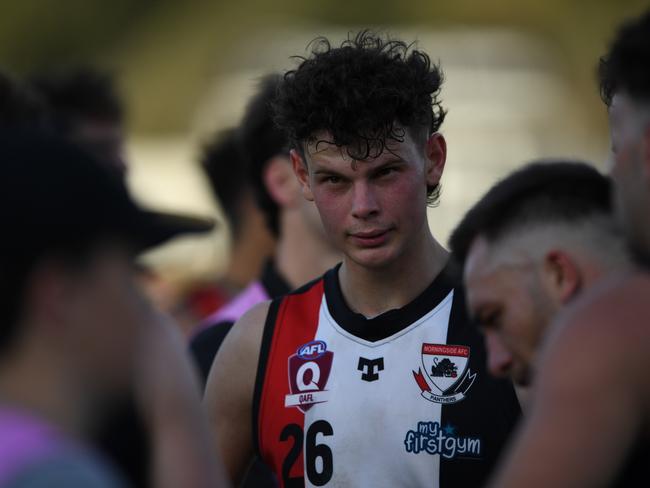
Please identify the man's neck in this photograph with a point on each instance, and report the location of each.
(37, 384)
(373, 291)
(303, 254)
(253, 246)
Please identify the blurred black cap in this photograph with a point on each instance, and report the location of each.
(55, 195)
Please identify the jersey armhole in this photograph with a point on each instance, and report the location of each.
(265, 348)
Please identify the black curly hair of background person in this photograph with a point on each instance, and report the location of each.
(364, 93)
(625, 66)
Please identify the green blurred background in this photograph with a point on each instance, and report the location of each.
(520, 82)
(167, 52)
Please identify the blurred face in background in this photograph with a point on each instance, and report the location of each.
(630, 168)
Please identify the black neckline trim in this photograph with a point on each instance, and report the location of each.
(273, 282)
(391, 321)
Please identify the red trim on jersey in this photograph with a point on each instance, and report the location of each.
(295, 325)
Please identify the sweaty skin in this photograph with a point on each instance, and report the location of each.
(229, 391)
(569, 438)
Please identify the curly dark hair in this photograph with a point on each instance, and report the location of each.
(625, 66)
(225, 169)
(365, 93)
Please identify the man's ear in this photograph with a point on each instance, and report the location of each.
(280, 181)
(302, 173)
(436, 154)
(562, 275)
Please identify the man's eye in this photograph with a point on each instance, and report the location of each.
(489, 320)
(332, 179)
(386, 171)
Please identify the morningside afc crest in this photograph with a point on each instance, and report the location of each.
(448, 377)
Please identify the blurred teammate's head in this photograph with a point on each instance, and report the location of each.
(530, 246)
(266, 149)
(68, 299)
(625, 88)
(84, 107)
(363, 120)
(19, 107)
(226, 170)
(252, 242)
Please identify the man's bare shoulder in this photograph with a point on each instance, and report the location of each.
(604, 331)
(241, 346)
(230, 389)
(590, 378)
(247, 331)
(617, 307)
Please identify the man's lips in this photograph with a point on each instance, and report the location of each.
(369, 233)
(370, 238)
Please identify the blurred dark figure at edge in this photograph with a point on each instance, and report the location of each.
(84, 106)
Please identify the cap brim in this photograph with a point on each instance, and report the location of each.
(155, 228)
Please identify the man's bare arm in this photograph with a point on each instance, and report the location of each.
(230, 388)
(169, 397)
(586, 408)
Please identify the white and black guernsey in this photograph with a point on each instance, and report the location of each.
(402, 399)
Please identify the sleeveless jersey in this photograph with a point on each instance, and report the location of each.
(402, 399)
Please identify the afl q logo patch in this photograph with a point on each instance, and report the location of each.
(309, 370)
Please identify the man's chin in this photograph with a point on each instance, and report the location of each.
(377, 258)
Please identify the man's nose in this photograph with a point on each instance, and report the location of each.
(499, 357)
(364, 201)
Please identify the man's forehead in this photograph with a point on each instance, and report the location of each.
(478, 256)
(485, 257)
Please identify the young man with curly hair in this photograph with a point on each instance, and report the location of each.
(589, 421)
(370, 375)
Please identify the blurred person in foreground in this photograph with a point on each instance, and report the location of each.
(77, 335)
(83, 106)
(370, 375)
(590, 418)
(303, 251)
(20, 107)
(529, 247)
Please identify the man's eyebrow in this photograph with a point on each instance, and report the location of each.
(393, 160)
(389, 162)
(326, 171)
